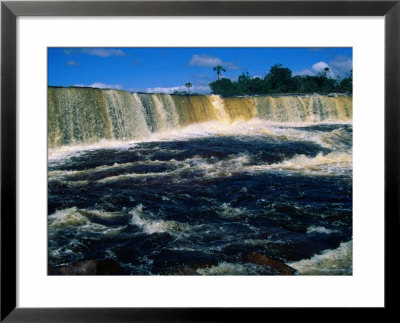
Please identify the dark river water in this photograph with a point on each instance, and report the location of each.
(205, 199)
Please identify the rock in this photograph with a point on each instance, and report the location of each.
(187, 271)
(169, 261)
(52, 271)
(277, 266)
(108, 267)
(88, 267)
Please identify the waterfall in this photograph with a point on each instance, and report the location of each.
(87, 115)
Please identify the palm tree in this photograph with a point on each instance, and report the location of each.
(326, 70)
(218, 69)
(188, 85)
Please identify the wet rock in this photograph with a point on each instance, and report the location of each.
(169, 261)
(277, 267)
(53, 271)
(108, 267)
(186, 271)
(88, 267)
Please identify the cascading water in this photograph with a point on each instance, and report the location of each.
(158, 184)
(85, 115)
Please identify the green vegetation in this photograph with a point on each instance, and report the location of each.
(218, 69)
(185, 93)
(188, 85)
(279, 80)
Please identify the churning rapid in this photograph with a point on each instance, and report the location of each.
(158, 184)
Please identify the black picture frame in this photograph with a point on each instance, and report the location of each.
(10, 10)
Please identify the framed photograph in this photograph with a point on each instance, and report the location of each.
(175, 160)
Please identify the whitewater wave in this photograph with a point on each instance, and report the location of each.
(319, 229)
(150, 226)
(329, 262)
(84, 220)
(338, 138)
(226, 211)
(331, 164)
(334, 163)
(226, 268)
(74, 149)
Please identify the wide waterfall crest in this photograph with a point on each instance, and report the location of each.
(88, 115)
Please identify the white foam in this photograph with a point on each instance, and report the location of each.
(255, 126)
(74, 183)
(74, 149)
(80, 220)
(329, 262)
(208, 168)
(70, 248)
(66, 217)
(227, 211)
(226, 268)
(156, 226)
(334, 163)
(319, 229)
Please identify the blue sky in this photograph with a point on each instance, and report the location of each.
(168, 69)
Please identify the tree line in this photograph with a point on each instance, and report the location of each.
(279, 80)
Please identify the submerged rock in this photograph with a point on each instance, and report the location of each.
(277, 267)
(88, 267)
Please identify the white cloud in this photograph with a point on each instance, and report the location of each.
(171, 89)
(106, 86)
(205, 60)
(201, 89)
(319, 67)
(338, 68)
(341, 65)
(73, 63)
(101, 86)
(303, 72)
(69, 51)
(211, 61)
(168, 90)
(165, 89)
(101, 52)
